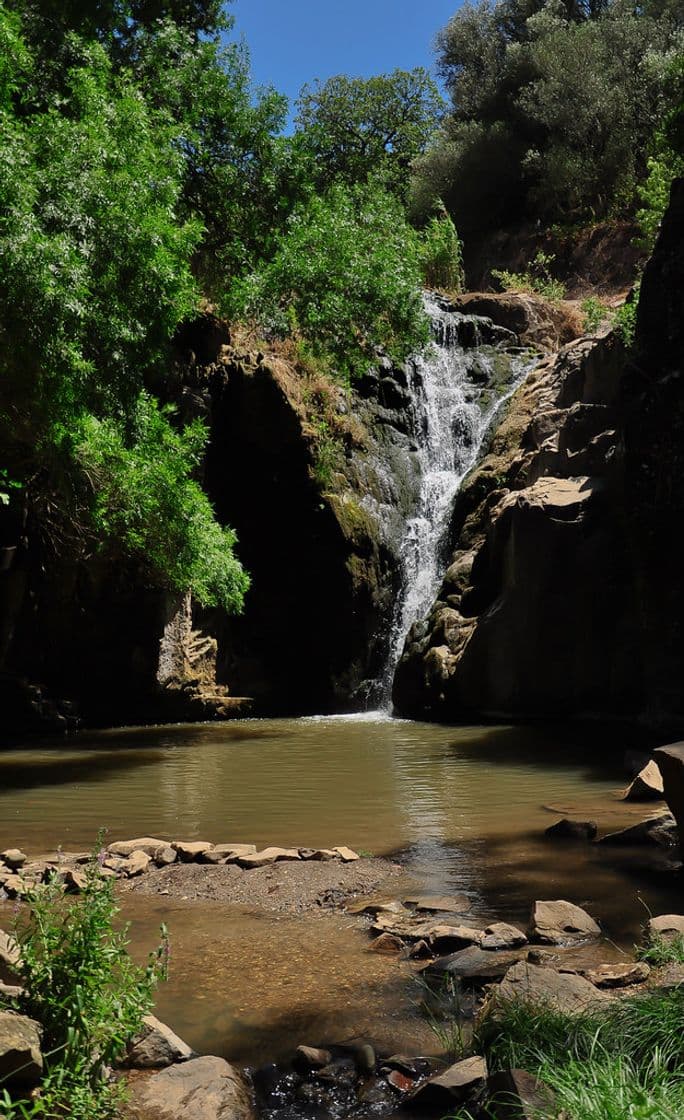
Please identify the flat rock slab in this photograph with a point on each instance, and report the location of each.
(191, 850)
(618, 975)
(472, 965)
(647, 786)
(461, 1082)
(13, 857)
(10, 956)
(201, 1089)
(147, 844)
(666, 925)
(157, 1047)
(561, 923)
(532, 983)
(268, 855)
(21, 1060)
(440, 903)
(446, 938)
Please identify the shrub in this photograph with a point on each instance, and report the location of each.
(82, 985)
(595, 314)
(626, 316)
(536, 278)
(442, 255)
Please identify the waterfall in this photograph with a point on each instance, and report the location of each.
(459, 386)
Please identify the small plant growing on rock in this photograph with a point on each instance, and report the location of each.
(83, 987)
(595, 314)
(536, 278)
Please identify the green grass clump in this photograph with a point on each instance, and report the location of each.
(659, 950)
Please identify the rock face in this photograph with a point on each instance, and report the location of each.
(203, 1088)
(564, 595)
(670, 762)
(21, 1061)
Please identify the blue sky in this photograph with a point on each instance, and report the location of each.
(295, 41)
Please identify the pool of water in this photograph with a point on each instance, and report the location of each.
(463, 808)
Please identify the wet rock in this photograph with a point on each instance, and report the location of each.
(515, 1094)
(190, 851)
(659, 831)
(532, 983)
(444, 904)
(137, 863)
(400, 1081)
(472, 965)
(156, 1047)
(500, 935)
(147, 844)
(21, 1060)
(647, 786)
(670, 762)
(618, 975)
(363, 1054)
(567, 829)
(201, 1089)
(666, 925)
(13, 857)
(463, 1081)
(387, 943)
(268, 855)
(311, 1057)
(375, 907)
(560, 922)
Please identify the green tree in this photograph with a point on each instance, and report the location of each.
(354, 128)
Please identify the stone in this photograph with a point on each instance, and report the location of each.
(268, 855)
(13, 857)
(567, 829)
(347, 855)
(147, 844)
(363, 1054)
(666, 925)
(21, 1060)
(444, 904)
(307, 1058)
(446, 938)
(420, 950)
(137, 863)
(618, 975)
(116, 864)
(362, 906)
(400, 1081)
(228, 853)
(322, 855)
(472, 965)
(190, 851)
(500, 935)
(532, 983)
(461, 1082)
(560, 923)
(647, 786)
(409, 928)
(387, 943)
(165, 856)
(11, 991)
(10, 957)
(199, 1089)
(659, 831)
(515, 1094)
(670, 762)
(156, 1047)
(74, 881)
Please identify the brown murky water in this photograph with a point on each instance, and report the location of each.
(464, 808)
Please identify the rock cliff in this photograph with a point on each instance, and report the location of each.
(565, 594)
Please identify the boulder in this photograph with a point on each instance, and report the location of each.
(670, 762)
(532, 983)
(499, 935)
(137, 863)
(147, 844)
(567, 829)
(647, 786)
(13, 857)
(387, 943)
(21, 1060)
(75, 881)
(660, 832)
(190, 851)
(164, 857)
(560, 923)
(472, 965)
(618, 975)
(10, 957)
(199, 1089)
(515, 1094)
(461, 1082)
(447, 938)
(666, 925)
(156, 1047)
(268, 855)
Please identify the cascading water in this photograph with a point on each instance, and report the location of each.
(458, 390)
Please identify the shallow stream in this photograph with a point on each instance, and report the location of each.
(463, 809)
